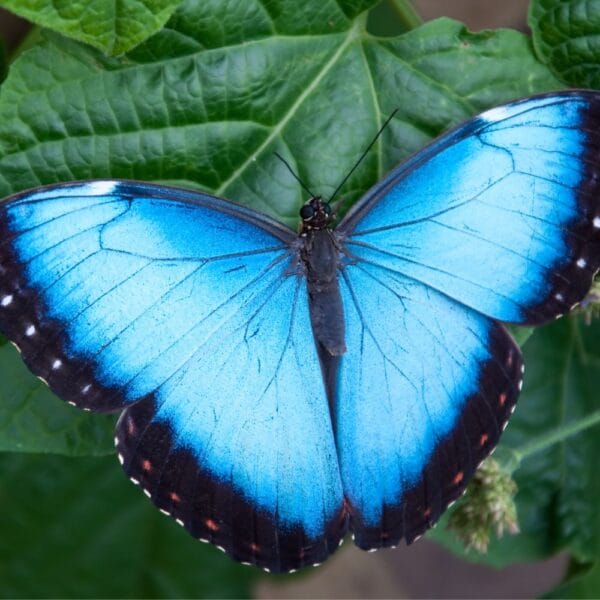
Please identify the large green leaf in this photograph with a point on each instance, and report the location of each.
(76, 528)
(558, 478)
(172, 111)
(113, 27)
(207, 101)
(566, 34)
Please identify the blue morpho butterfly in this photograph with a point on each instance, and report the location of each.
(279, 390)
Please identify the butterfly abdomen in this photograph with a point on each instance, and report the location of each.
(321, 258)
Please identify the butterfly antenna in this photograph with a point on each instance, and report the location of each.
(285, 162)
(339, 187)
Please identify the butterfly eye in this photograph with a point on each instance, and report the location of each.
(327, 209)
(307, 212)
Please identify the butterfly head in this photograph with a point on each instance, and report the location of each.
(315, 214)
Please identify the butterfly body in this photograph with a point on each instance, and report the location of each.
(320, 255)
(279, 390)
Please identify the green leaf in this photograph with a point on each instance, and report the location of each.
(566, 35)
(68, 113)
(32, 419)
(76, 528)
(558, 484)
(173, 112)
(582, 581)
(113, 27)
(521, 334)
(206, 102)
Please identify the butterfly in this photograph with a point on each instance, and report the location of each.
(279, 390)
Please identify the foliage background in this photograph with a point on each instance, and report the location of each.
(204, 102)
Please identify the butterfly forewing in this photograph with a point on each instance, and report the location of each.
(502, 214)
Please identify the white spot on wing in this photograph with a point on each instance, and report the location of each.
(30, 331)
(92, 188)
(6, 300)
(581, 263)
(57, 364)
(496, 114)
(99, 188)
(596, 222)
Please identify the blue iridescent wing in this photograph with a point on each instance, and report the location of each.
(501, 214)
(498, 219)
(424, 391)
(188, 312)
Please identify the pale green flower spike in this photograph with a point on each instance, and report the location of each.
(487, 506)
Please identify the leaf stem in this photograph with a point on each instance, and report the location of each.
(557, 435)
(407, 14)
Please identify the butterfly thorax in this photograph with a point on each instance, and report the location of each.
(321, 257)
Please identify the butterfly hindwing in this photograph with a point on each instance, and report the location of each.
(189, 312)
(424, 391)
(234, 427)
(501, 214)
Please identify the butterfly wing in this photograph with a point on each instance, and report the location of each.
(189, 312)
(424, 391)
(498, 218)
(501, 214)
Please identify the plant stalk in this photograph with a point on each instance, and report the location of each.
(557, 435)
